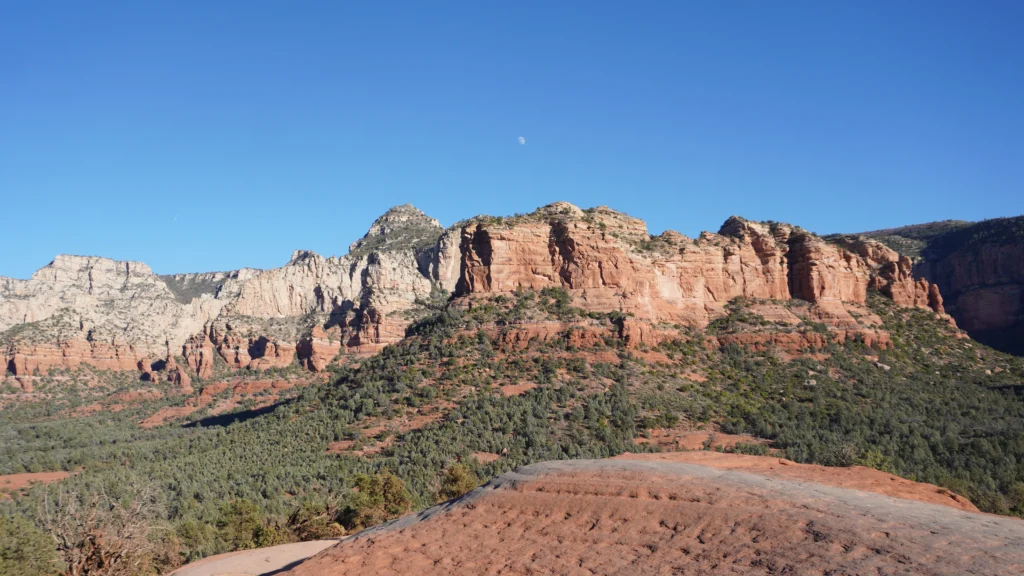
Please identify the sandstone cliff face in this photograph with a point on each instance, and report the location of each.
(608, 262)
(319, 348)
(281, 315)
(893, 274)
(106, 295)
(979, 268)
(445, 267)
(119, 315)
(112, 315)
(88, 310)
(984, 285)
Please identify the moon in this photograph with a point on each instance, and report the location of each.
(522, 140)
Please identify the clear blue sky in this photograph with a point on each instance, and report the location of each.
(213, 135)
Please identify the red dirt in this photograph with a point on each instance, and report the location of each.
(663, 514)
(168, 414)
(341, 446)
(486, 457)
(240, 391)
(87, 410)
(133, 396)
(117, 402)
(399, 425)
(609, 356)
(517, 389)
(672, 439)
(653, 357)
(17, 482)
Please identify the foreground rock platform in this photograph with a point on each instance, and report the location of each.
(667, 514)
(270, 560)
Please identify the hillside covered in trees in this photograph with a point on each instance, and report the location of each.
(465, 397)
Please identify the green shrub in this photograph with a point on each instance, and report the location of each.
(375, 499)
(242, 526)
(315, 519)
(25, 550)
(456, 480)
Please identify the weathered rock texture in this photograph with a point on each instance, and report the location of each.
(979, 268)
(107, 314)
(689, 513)
(120, 316)
(985, 289)
(608, 262)
(110, 315)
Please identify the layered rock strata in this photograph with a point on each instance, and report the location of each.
(120, 316)
(984, 285)
(110, 315)
(979, 268)
(608, 262)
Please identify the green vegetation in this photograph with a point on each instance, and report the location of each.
(912, 240)
(928, 409)
(375, 499)
(738, 318)
(187, 287)
(936, 240)
(934, 408)
(26, 550)
(242, 526)
(406, 228)
(456, 480)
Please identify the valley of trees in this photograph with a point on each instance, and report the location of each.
(934, 408)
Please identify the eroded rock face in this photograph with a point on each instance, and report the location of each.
(198, 353)
(119, 315)
(983, 285)
(893, 275)
(979, 268)
(95, 311)
(822, 273)
(608, 262)
(319, 348)
(40, 358)
(359, 297)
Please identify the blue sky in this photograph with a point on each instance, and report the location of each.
(213, 135)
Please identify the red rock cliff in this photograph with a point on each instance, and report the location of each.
(607, 261)
(116, 314)
(984, 285)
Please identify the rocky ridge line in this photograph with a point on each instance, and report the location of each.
(120, 316)
(979, 266)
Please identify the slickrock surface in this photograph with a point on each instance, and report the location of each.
(854, 477)
(257, 562)
(664, 514)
